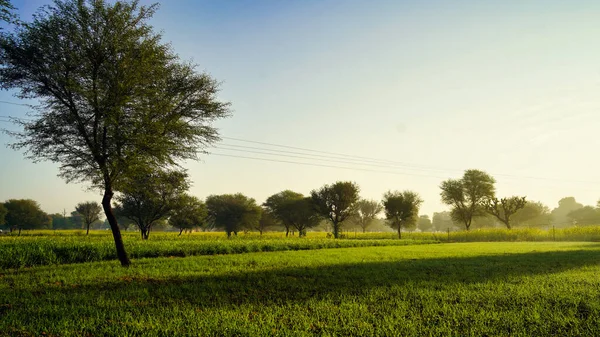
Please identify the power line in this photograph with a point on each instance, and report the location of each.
(406, 165)
(13, 103)
(310, 157)
(322, 165)
(318, 151)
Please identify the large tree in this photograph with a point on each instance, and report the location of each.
(233, 212)
(401, 209)
(188, 212)
(504, 208)
(275, 205)
(25, 214)
(336, 203)
(366, 213)
(466, 195)
(150, 196)
(90, 212)
(113, 97)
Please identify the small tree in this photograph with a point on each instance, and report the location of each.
(275, 205)
(90, 212)
(466, 195)
(150, 196)
(301, 214)
(233, 212)
(189, 212)
(336, 203)
(504, 208)
(442, 221)
(25, 214)
(424, 223)
(267, 221)
(401, 209)
(366, 213)
(113, 97)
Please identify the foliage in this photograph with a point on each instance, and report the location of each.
(586, 215)
(336, 203)
(90, 212)
(534, 214)
(150, 196)
(424, 223)
(3, 212)
(366, 213)
(301, 214)
(467, 194)
(114, 98)
(560, 215)
(189, 212)
(401, 209)
(442, 221)
(25, 214)
(7, 12)
(276, 206)
(233, 212)
(504, 208)
(267, 222)
(434, 290)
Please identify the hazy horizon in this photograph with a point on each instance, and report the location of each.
(509, 88)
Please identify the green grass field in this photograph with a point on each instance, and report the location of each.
(454, 289)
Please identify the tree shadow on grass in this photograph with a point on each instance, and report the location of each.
(292, 285)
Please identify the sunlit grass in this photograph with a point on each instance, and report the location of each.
(476, 289)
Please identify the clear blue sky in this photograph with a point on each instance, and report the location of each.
(509, 87)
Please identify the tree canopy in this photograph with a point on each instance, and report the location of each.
(336, 203)
(188, 212)
(424, 223)
(233, 212)
(466, 195)
(25, 214)
(366, 213)
(401, 209)
(504, 208)
(560, 215)
(150, 196)
(276, 205)
(113, 97)
(90, 212)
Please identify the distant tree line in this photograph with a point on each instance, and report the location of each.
(160, 199)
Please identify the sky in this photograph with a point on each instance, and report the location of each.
(508, 87)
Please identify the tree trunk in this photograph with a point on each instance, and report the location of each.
(88, 230)
(180, 230)
(19, 231)
(336, 230)
(145, 233)
(114, 227)
(399, 232)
